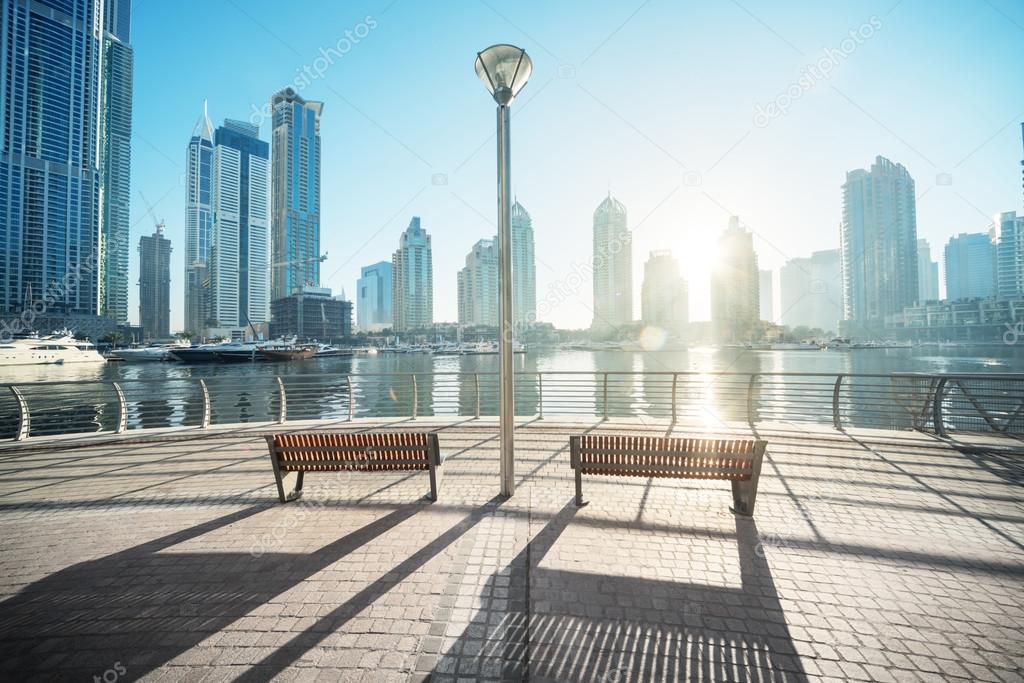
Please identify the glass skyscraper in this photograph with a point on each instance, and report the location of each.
(613, 266)
(412, 280)
(198, 224)
(50, 170)
(296, 193)
(970, 267)
(524, 267)
(374, 297)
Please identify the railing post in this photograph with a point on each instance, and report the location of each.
(206, 404)
(540, 396)
(476, 380)
(122, 410)
(940, 389)
(675, 383)
(24, 416)
(837, 423)
(282, 413)
(351, 403)
(415, 396)
(750, 400)
(605, 396)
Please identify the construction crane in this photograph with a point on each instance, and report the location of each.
(159, 223)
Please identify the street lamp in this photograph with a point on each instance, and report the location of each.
(504, 70)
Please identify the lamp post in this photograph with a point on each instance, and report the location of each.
(504, 70)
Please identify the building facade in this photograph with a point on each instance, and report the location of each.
(198, 223)
(1009, 238)
(878, 239)
(735, 286)
(412, 280)
(766, 295)
(927, 273)
(373, 298)
(239, 244)
(155, 284)
(613, 266)
(810, 291)
(664, 295)
(478, 285)
(295, 256)
(970, 267)
(524, 267)
(50, 165)
(311, 313)
(972, 320)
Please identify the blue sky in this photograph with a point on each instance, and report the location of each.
(655, 101)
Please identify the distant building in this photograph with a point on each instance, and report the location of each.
(613, 266)
(766, 295)
(311, 313)
(524, 268)
(987, 320)
(296, 193)
(373, 298)
(239, 244)
(664, 295)
(810, 291)
(970, 267)
(155, 284)
(1009, 236)
(412, 280)
(478, 285)
(735, 284)
(927, 273)
(879, 246)
(198, 224)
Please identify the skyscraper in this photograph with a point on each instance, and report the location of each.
(735, 299)
(879, 246)
(478, 285)
(664, 295)
(766, 295)
(927, 273)
(970, 267)
(412, 280)
(239, 248)
(524, 269)
(810, 291)
(155, 284)
(373, 300)
(50, 164)
(115, 159)
(613, 266)
(296, 193)
(198, 223)
(1009, 236)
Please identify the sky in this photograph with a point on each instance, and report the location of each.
(685, 112)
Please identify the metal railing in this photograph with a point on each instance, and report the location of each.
(942, 403)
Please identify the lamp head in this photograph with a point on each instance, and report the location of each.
(504, 70)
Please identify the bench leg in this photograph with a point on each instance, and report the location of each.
(289, 485)
(743, 495)
(433, 482)
(579, 488)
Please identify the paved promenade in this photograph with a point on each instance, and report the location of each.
(165, 556)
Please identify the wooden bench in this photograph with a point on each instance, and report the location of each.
(292, 455)
(735, 460)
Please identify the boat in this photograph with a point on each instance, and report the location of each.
(297, 353)
(56, 349)
(328, 351)
(216, 351)
(144, 354)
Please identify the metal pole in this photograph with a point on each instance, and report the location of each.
(507, 407)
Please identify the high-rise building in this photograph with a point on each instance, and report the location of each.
(115, 159)
(373, 297)
(735, 300)
(478, 285)
(239, 244)
(970, 267)
(296, 193)
(613, 266)
(311, 313)
(927, 273)
(766, 295)
(198, 223)
(524, 268)
(664, 295)
(412, 280)
(879, 246)
(155, 284)
(50, 165)
(1009, 238)
(810, 291)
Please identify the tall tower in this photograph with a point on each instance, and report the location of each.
(295, 254)
(478, 285)
(1009, 235)
(524, 267)
(115, 159)
(879, 246)
(412, 280)
(613, 266)
(927, 273)
(50, 170)
(735, 286)
(664, 295)
(198, 223)
(155, 284)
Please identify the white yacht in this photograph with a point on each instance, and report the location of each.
(55, 349)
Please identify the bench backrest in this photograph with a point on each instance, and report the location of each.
(654, 456)
(368, 451)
